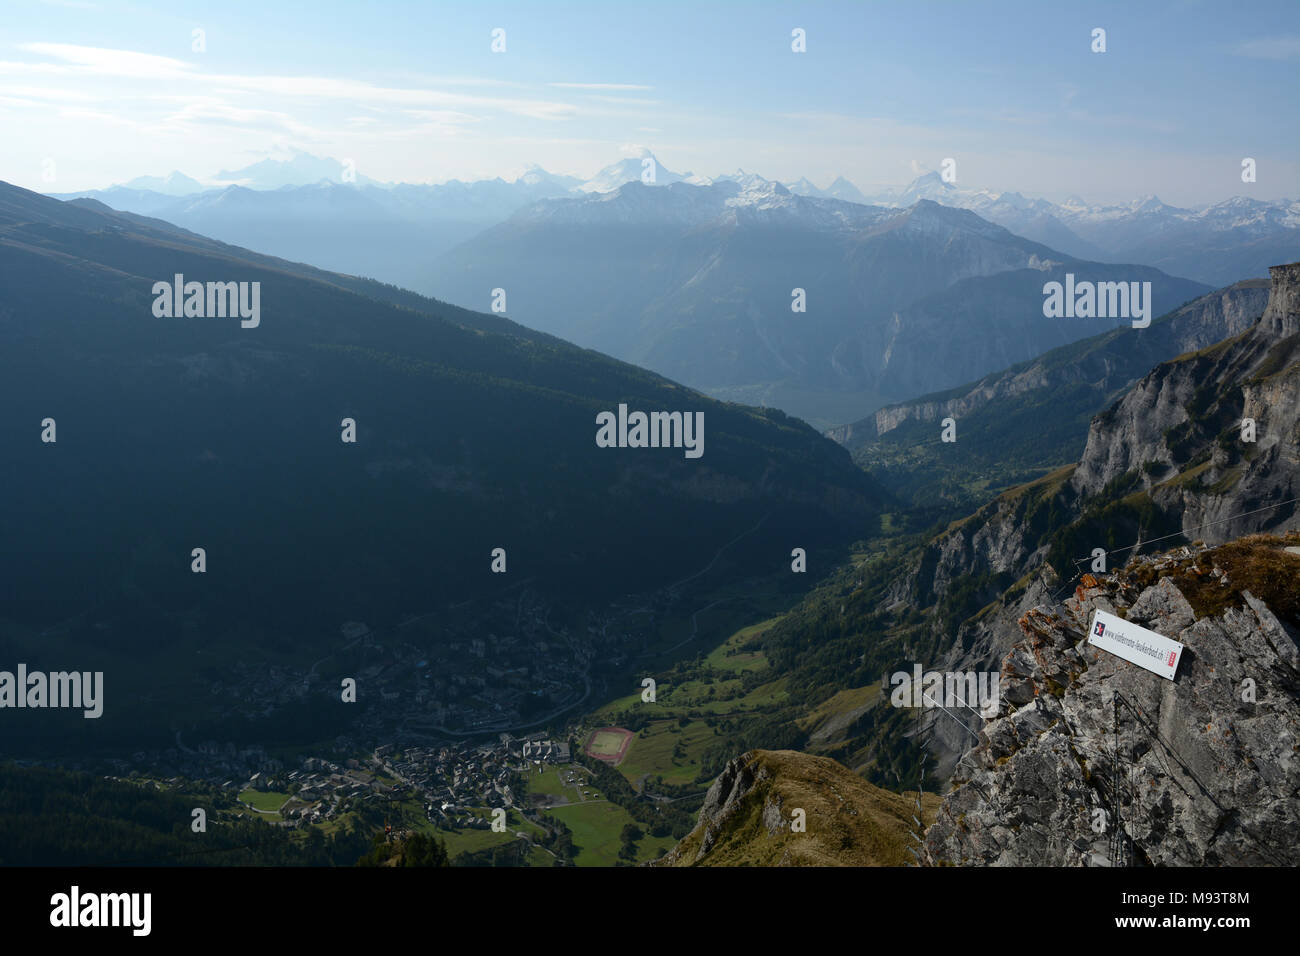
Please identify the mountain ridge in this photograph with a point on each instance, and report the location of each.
(201, 433)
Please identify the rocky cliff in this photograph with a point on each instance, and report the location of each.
(1208, 764)
(1103, 363)
(1174, 440)
(1180, 428)
(1167, 460)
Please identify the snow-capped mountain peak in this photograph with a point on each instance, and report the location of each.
(804, 187)
(535, 175)
(761, 193)
(845, 190)
(174, 183)
(631, 170)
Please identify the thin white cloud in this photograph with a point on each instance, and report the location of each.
(222, 114)
(83, 60)
(27, 70)
(102, 61)
(601, 86)
(438, 80)
(443, 116)
(625, 100)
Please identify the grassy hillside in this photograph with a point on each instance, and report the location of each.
(849, 822)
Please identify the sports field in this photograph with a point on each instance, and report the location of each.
(609, 744)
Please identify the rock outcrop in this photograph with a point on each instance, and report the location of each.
(1208, 764)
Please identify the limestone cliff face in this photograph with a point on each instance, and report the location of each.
(1188, 412)
(1106, 363)
(1282, 317)
(1209, 762)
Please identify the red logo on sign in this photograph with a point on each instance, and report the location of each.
(1172, 655)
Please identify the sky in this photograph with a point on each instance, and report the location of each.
(94, 93)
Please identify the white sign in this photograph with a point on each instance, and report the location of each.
(1135, 644)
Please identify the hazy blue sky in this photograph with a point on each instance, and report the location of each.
(411, 91)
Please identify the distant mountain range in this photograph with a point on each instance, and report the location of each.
(692, 276)
(174, 184)
(698, 282)
(300, 169)
(841, 188)
(390, 233)
(1216, 244)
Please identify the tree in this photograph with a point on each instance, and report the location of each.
(420, 850)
